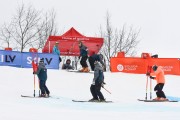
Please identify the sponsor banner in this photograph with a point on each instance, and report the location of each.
(128, 65)
(10, 58)
(24, 59)
(141, 66)
(169, 65)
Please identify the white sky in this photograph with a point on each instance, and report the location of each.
(159, 20)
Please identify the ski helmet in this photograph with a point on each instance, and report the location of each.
(154, 67)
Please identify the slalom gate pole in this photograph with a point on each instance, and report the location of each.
(34, 85)
(107, 90)
(39, 88)
(34, 77)
(146, 87)
(34, 70)
(34, 74)
(148, 70)
(150, 89)
(150, 84)
(34, 66)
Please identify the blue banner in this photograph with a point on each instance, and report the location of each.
(24, 59)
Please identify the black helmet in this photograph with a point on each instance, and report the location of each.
(154, 67)
(41, 60)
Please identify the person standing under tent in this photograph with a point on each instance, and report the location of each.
(84, 57)
(98, 82)
(56, 50)
(159, 77)
(42, 75)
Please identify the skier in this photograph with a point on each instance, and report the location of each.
(98, 82)
(67, 65)
(96, 57)
(84, 57)
(42, 75)
(56, 50)
(159, 77)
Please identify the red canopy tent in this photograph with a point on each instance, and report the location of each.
(68, 43)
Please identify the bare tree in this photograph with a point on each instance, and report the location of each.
(49, 28)
(126, 41)
(29, 28)
(5, 35)
(116, 40)
(25, 24)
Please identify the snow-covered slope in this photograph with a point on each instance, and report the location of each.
(125, 89)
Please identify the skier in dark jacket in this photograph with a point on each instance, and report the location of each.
(96, 57)
(42, 75)
(97, 83)
(84, 57)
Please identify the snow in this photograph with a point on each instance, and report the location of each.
(125, 89)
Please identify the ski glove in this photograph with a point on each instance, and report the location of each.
(152, 77)
(34, 72)
(148, 74)
(102, 84)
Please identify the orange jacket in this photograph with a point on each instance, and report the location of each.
(159, 73)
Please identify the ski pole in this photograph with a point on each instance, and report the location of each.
(106, 90)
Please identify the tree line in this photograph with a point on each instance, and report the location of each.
(30, 27)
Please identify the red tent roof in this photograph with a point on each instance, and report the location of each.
(72, 33)
(68, 43)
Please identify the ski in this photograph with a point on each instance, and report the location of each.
(76, 71)
(157, 100)
(33, 96)
(92, 101)
(160, 101)
(38, 97)
(140, 99)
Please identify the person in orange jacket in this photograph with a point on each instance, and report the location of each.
(159, 77)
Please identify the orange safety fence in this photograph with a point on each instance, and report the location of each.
(139, 65)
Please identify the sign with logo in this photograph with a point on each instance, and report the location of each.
(24, 60)
(140, 65)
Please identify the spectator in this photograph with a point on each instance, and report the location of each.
(57, 51)
(67, 65)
